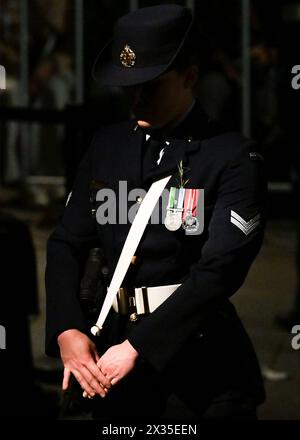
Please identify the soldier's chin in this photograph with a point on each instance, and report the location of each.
(144, 124)
(147, 121)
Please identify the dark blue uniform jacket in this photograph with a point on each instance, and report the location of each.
(197, 327)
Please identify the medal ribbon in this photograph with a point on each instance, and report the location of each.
(172, 197)
(176, 198)
(190, 202)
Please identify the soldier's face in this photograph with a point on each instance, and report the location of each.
(161, 101)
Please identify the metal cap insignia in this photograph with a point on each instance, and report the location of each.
(127, 57)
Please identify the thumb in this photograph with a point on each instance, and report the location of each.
(67, 374)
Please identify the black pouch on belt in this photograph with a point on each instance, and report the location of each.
(93, 285)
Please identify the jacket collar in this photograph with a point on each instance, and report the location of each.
(175, 151)
(185, 139)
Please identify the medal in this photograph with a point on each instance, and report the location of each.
(173, 219)
(190, 221)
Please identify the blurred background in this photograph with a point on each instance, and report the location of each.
(48, 113)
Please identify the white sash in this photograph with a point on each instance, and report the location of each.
(132, 241)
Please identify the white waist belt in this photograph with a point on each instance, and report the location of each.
(143, 300)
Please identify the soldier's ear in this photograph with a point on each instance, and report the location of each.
(191, 76)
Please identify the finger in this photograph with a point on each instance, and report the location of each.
(99, 363)
(67, 374)
(105, 373)
(104, 370)
(86, 395)
(93, 381)
(114, 381)
(98, 374)
(84, 384)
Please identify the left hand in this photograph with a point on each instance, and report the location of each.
(118, 361)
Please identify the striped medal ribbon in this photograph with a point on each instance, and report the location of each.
(173, 219)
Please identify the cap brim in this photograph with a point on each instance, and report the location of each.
(108, 74)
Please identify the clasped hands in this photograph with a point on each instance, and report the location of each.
(95, 374)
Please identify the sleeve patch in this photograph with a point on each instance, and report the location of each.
(245, 226)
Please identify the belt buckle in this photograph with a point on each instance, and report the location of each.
(127, 303)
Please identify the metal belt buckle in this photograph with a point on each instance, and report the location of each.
(126, 304)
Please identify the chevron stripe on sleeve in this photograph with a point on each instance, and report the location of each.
(245, 226)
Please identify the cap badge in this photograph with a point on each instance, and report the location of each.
(127, 57)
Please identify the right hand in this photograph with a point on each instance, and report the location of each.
(79, 356)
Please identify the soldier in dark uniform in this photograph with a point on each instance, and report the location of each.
(193, 344)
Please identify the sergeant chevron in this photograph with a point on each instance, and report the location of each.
(245, 226)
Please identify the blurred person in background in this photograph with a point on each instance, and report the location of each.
(21, 396)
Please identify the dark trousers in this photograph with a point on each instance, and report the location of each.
(207, 389)
(143, 395)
